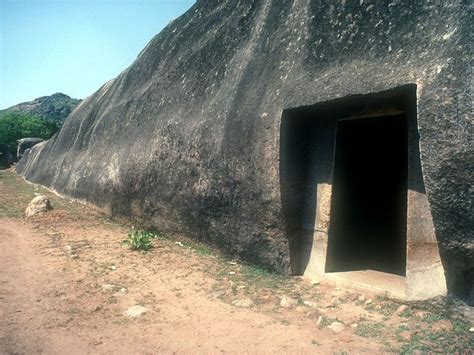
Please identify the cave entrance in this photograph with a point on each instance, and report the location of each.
(353, 197)
(369, 196)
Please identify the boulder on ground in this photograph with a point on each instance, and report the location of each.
(38, 205)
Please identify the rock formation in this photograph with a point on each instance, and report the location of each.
(24, 144)
(188, 138)
(39, 204)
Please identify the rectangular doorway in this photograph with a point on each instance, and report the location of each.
(368, 221)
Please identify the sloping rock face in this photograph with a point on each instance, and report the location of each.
(54, 108)
(187, 138)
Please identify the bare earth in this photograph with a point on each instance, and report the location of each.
(66, 283)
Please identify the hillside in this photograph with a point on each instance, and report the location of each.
(54, 108)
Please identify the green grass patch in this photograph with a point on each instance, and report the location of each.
(370, 330)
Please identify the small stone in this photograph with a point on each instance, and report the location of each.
(241, 287)
(135, 311)
(378, 307)
(108, 287)
(401, 309)
(320, 320)
(308, 303)
(405, 335)
(288, 302)
(443, 325)
(336, 327)
(369, 301)
(361, 298)
(420, 314)
(315, 283)
(231, 273)
(217, 294)
(300, 309)
(120, 292)
(354, 325)
(352, 296)
(243, 303)
(471, 329)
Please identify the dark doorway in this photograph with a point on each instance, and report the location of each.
(369, 199)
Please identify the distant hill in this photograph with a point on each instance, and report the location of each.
(54, 108)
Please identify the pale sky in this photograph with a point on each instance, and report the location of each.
(73, 46)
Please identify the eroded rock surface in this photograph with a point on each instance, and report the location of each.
(187, 138)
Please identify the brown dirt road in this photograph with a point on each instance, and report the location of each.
(66, 283)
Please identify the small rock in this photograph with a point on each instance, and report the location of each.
(39, 204)
(336, 327)
(308, 303)
(354, 325)
(471, 329)
(378, 307)
(405, 335)
(320, 320)
(300, 309)
(243, 303)
(361, 298)
(241, 287)
(352, 296)
(217, 294)
(443, 325)
(288, 302)
(108, 287)
(420, 314)
(231, 273)
(369, 301)
(179, 243)
(120, 292)
(315, 283)
(135, 311)
(401, 309)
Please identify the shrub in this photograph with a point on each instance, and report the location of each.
(17, 125)
(139, 240)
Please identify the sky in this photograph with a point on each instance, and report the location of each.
(73, 46)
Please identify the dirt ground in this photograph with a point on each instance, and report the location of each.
(67, 283)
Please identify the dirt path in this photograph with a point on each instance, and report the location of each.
(67, 283)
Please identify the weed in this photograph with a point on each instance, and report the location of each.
(431, 318)
(373, 330)
(201, 250)
(407, 313)
(139, 240)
